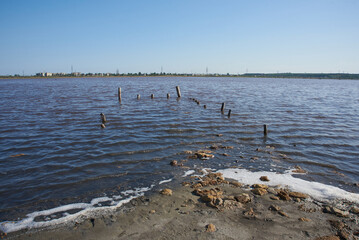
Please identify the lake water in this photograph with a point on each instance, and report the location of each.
(54, 151)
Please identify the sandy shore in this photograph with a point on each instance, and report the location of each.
(211, 207)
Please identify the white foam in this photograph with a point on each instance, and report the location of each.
(88, 209)
(165, 181)
(316, 190)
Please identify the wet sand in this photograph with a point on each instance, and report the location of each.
(190, 211)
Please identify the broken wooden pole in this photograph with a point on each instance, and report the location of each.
(178, 91)
(152, 96)
(204, 106)
(103, 118)
(168, 95)
(229, 113)
(103, 125)
(119, 94)
(138, 96)
(222, 108)
(265, 130)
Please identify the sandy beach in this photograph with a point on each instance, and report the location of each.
(212, 207)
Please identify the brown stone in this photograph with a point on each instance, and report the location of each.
(354, 210)
(274, 208)
(196, 185)
(344, 234)
(174, 163)
(208, 198)
(333, 237)
(303, 219)
(167, 192)
(249, 213)
(298, 169)
(260, 186)
(274, 197)
(259, 191)
(283, 214)
(153, 211)
(231, 204)
(336, 211)
(227, 147)
(210, 228)
(188, 152)
(236, 184)
(338, 225)
(243, 198)
(298, 195)
(225, 154)
(284, 196)
(264, 178)
(186, 184)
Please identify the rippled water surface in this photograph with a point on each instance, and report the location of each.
(53, 150)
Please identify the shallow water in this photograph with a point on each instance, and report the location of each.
(68, 158)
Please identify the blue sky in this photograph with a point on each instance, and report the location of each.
(182, 36)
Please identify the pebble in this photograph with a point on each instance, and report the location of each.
(167, 192)
(210, 228)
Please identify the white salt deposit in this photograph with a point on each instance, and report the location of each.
(316, 190)
(165, 181)
(88, 209)
(189, 172)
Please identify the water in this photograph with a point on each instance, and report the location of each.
(68, 158)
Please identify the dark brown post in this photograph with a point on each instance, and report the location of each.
(119, 94)
(168, 95)
(198, 102)
(178, 91)
(138, 96)
(229, 113)
(103, 118)
(265, 130)
(103, 125)
(222, 108)
(204, 106)
(152, 96)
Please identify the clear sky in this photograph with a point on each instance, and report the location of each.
(227, 36)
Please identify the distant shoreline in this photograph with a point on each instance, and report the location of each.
(333, 76)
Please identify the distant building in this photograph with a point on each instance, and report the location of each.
(44, 74)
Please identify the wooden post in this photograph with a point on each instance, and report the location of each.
(178, 91)
(119, 94)
(265, 130)
(222, 108)
(229, 113)
(138, 96)
(204, 106)
(198, 102)
(168, 95)
(103, 125)
(152, 96)
(103, 118)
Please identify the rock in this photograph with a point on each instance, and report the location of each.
(274, 208)
(203, 155)
(271, 190)
(298, 169)
(354, 210)
(231, 204)
(259, 191)
(283, 214)
(20, 154)
(227, 147)
(225, 154)
(298, 195)
(344, 234)
(254, 158)
(284, 196)
(188, 152)
(274, 197)
(336, 211)
(303, 219)
(249, 213)
(338, 225)
(264, 178)
(260, 186)
(186, 184)
(243, 198)
(219, 135)
(152, 211)
(208, 198)
(328, 238)
(236, 184)
(167, 192)
(213, 147)
(174, 163)
(210, 228)
(196, 185)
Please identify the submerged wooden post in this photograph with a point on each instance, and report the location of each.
(119, 94)
(222, 108)
(178, 91)
(138, 96)
(204, 106)
(229, 113)
(265, 130)
(103, 118)
(198, 102)
(152, 96)
(168, 95)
